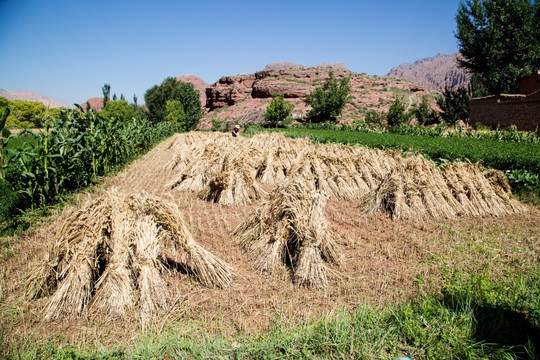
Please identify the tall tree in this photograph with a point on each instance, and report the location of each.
(106, 94)
(190, 100)
(327, 101)
(499, 42)
(170, 89)
(454, 105)
(156, 99)
(135, 100)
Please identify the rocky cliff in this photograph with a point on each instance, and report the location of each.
(243, 98)
(433, 73)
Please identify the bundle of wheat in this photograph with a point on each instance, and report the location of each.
(481, 192)
(278, 156)
(222, 173)
(111, 253)
(417, 189)
(234, 186)
(189, 146)
(290, 228)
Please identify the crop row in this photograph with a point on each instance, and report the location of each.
(68, 155)
(491, 153)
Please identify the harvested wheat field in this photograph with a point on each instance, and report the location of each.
(228, 234)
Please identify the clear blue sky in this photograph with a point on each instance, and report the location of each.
(67, 49)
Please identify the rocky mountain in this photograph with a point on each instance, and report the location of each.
(243, 98)
(433, 73)
(29, 95)
(291, 65)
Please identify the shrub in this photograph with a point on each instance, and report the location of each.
(327, 101)
(278, 110)
(396, 114)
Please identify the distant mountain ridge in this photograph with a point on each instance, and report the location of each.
(29, 95)
(433, 72)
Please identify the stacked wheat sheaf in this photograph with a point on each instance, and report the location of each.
(112, 252)
(292, 178)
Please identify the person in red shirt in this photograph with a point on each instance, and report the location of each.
(235, 130)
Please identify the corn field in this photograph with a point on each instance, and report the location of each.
(70, 153)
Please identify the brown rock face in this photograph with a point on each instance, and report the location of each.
(243, 98)
(294, 83)
(433, 73)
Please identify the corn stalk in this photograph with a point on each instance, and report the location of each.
(3, 119)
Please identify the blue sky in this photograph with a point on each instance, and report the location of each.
(67, 49)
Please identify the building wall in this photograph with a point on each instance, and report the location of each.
(497, 110)
(529, 84)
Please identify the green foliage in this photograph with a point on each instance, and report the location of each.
(71, 151)
(327, 101)
(106, 89)
(170, 89)
(119, 109)
(190, 100)
(499, 42)
(278, 110)
(175, 114)
(156, 99)
(454, 105)
(24, 114)
(424, 114)
(3, 119)
(397, 114)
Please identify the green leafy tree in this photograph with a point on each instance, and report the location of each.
(278, 110)
(327, 101)
(424, 114)
(190, 100)
(397, 114)
(176, 114)
(170, 89)
(156, 99)
(499, 42)
(454, 105)
(106, 93)
(114, 97)
(119, 109)
(26, 114)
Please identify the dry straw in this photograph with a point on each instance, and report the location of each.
(111, 255)
(289, 228)
(232, 171)
(417, 189)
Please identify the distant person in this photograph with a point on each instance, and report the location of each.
(235, 130)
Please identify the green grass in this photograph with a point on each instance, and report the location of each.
(473, 317)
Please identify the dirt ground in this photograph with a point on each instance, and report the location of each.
(382, 261)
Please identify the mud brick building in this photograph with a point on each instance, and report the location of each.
(521, 110)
